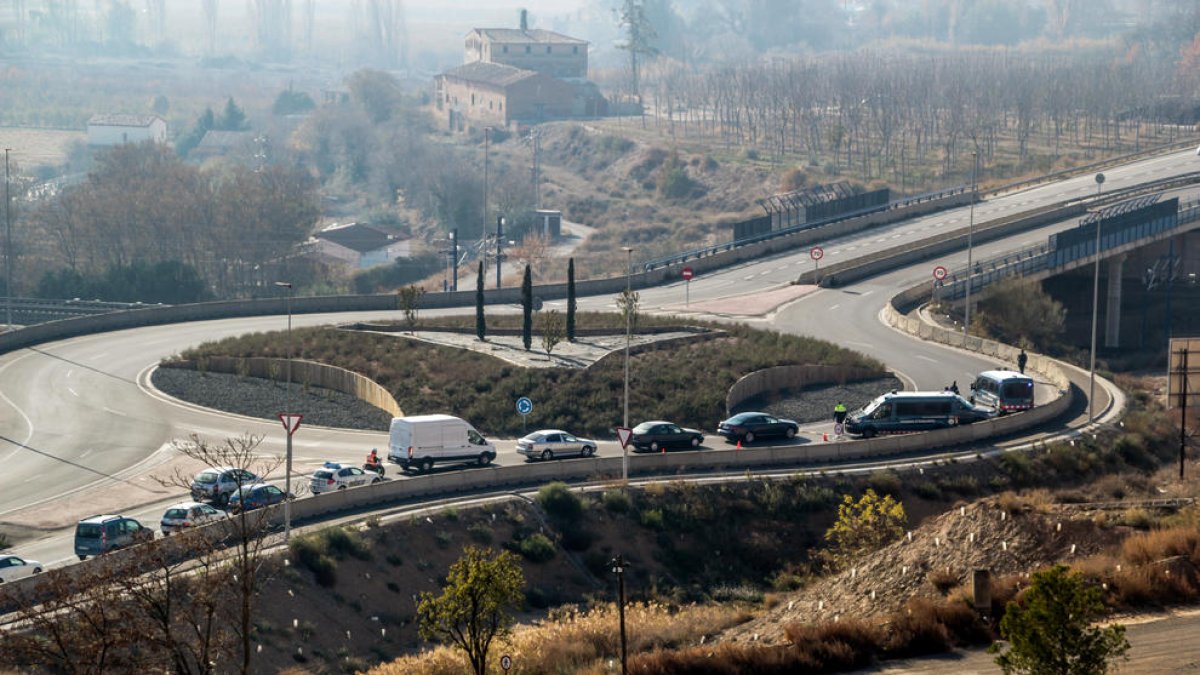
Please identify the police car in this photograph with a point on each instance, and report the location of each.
(334, 476)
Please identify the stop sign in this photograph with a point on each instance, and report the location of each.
(687, 274)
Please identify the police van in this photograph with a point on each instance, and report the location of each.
(905, 411)
(1004, 390)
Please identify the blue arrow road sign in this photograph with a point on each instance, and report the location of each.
(524, 405)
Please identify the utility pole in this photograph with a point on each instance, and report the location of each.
(971, 241)
(487, 138)
(537, 168)
(8, 289)
(1183, 394)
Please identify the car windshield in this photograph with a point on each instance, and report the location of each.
(206, 477)
(324, 475)
(870, 407)
(1018, 389)
(175, 514)
(88, 530)
(740, 418)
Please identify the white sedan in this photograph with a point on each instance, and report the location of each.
(188, 514)
(551, 443)
(333, 476)
(13, 568)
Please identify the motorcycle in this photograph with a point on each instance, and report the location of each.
(377, 468)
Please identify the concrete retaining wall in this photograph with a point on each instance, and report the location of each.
(781, 378)
(303, 373)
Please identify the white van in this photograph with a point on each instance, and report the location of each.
(420, 441)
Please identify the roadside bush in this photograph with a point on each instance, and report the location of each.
(652, 519)
(616, 501)
(310, 551)
(480, 532)
(560, 502)
(536, 548)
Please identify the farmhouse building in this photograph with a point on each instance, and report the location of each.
(518, 76)
(118, 129)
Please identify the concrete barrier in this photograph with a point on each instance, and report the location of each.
(303, 373)
(781, 378)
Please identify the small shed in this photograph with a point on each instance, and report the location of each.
(548, 223)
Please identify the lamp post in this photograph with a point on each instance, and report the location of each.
(971, 242)
(628, 327)
(1095, 311)
(8, 289)
(287, 477)
(500, 221)
(618, 568)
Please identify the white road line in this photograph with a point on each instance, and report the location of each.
(835, 306)
(926, 358)
(118, 413)
(749, 278)
(73, 392)
(85, 453)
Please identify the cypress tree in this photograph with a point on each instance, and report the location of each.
(527, 308)
(571, 300)
(480, 323)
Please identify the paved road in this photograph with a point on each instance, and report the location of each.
(1161, 645)
(76, 413)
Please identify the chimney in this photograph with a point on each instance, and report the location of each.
(524, 19)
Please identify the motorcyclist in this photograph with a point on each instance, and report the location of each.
(373, 459)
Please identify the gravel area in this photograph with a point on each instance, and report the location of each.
(816, 405)
(256, 397)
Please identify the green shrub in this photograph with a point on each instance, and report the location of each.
(560, 502)
(616, 501)
(480, 532)
(537, 548)
(651, 518)
(342, 542)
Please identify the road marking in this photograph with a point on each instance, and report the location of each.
(118, 413)
(749, 278)
(85, 453)
(835, 306)
(868, 345)
(926, 358)
(73, 392)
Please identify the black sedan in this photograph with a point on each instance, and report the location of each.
(751, 426)
(656, 435)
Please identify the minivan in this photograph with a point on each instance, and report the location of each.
(420, 441)
(100, 534)
(905, 411)
(1005, 390)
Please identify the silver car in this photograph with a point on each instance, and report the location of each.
(188, 514)
(13, 568)
(333, 476)
(551, 443)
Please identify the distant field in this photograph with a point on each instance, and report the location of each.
(31, 147)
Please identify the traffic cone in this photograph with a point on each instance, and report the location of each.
(664, 450)
(825, 437)
(739, 445)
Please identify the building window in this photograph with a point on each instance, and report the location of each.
(489, 105)
(505, 49)
(526, 49)
(547, 49)
(575, 49)
(472, 99)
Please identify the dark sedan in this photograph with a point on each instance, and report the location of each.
(751, 426)
(657, 435)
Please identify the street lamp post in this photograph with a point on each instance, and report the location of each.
(287, 477)
(618, 568)
(8, 289)
(971, 242)
(1095, 311)
(500, 221)
(628, 328)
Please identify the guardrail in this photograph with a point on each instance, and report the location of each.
(1088, 168)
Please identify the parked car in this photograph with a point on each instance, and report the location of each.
(551, 443)
(334, 476)
(13, 568)
(751, 426)
(256, 496)
(188, 514)
(656, 435)
(101, 534)
(420, 441)
(217, 483)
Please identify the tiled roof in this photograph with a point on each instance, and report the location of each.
(518, 36)
(122, 120)
(356, 237)
(489, 73)
(225, 139)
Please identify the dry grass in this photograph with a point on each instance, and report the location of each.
(1039, 501)
(943, 580)
(574, 641)
(929, 627)
(1149, 547)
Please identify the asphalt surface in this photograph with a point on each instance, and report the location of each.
(77, 414)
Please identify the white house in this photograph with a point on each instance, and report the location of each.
(361, 246)
(120, 128)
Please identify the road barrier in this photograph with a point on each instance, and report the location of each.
(784, 378)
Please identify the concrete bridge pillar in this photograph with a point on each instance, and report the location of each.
(1112, 317)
